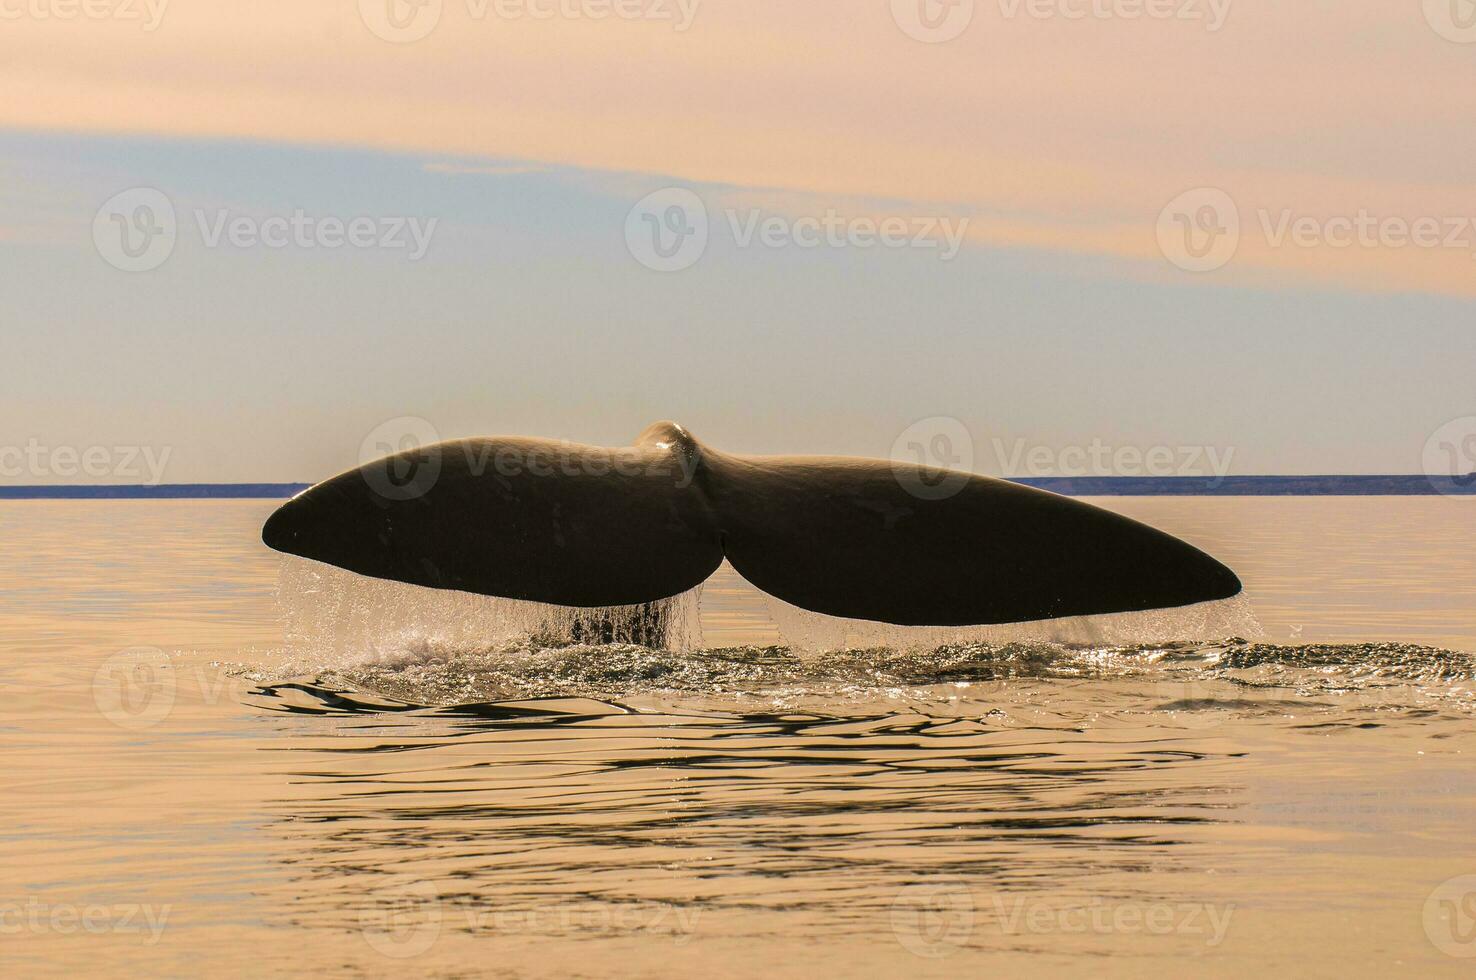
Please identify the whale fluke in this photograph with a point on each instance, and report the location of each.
(867, 539)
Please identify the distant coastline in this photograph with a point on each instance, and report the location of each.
(1403, 485)
(162, 491)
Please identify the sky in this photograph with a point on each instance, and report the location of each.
(1241, 231)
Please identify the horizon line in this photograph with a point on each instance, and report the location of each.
(1264, 485)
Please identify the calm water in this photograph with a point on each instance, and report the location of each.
(204, 776)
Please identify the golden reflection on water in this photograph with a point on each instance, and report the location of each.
(1043, 823)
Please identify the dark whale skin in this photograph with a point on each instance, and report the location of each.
(586, 526)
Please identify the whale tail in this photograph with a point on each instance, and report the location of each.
(586, 526)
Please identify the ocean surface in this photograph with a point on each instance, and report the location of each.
(219, 762)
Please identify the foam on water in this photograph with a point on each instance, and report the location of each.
(1393, 675)
(330, 612)
(425, 647)
(806, 630)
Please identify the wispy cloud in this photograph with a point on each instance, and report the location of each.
(489, 170)
(1084, 130)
